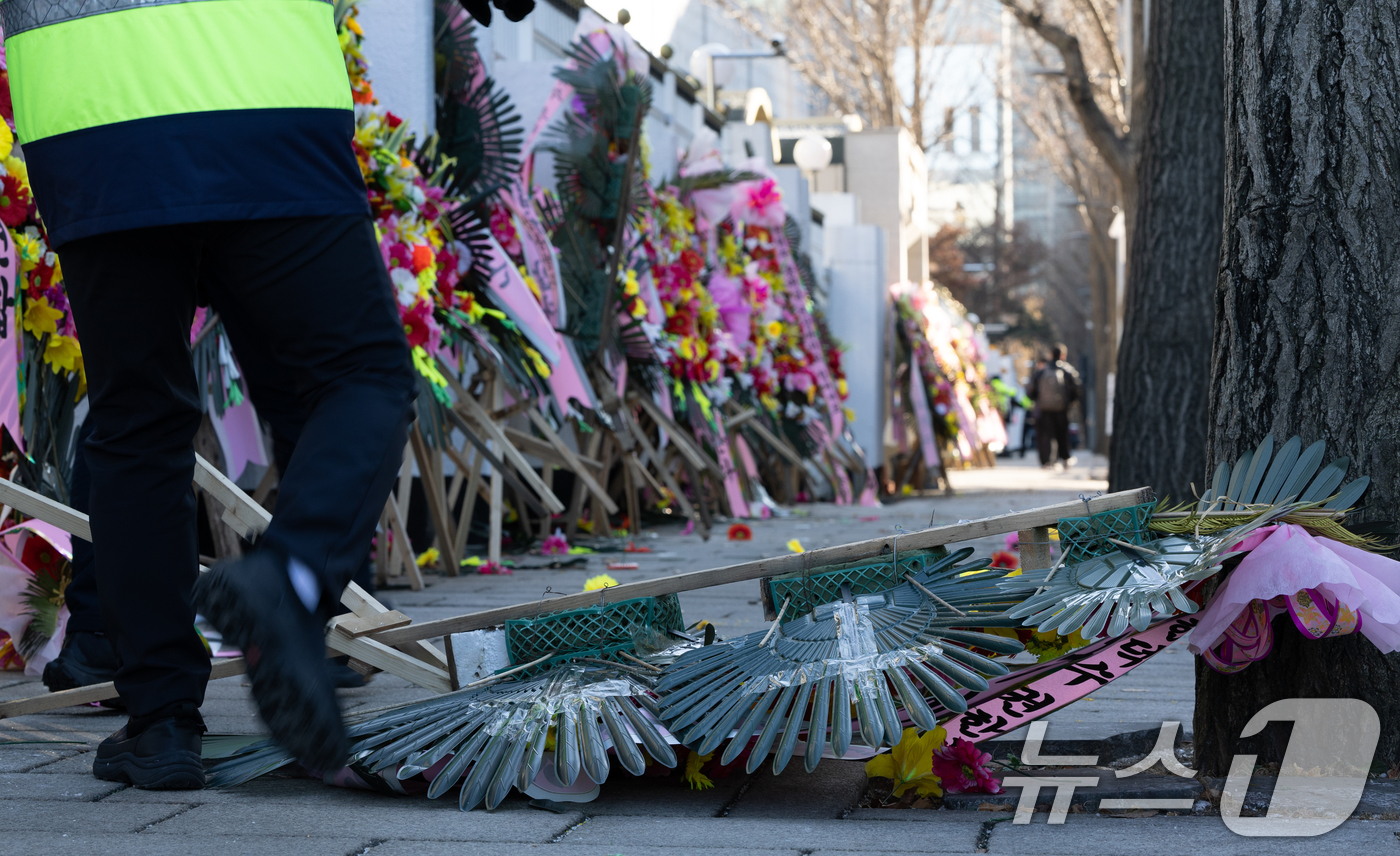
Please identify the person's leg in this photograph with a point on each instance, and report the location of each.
(84, 605)
(87, 656)
(1062, 436)
(320, 317)
(1043, 436)
(309, 308)
(133, 309)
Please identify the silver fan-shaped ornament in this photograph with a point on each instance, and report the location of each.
(495, 736)
(1118, 590)
(877, 653)
(1131, 586)
(1263, 477)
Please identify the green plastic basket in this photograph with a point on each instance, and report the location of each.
(1084, 538)
(591, 630)
(868, 576)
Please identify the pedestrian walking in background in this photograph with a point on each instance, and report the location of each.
(1054, 388)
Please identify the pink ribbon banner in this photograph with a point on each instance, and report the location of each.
(1011, 701)
(811, 342)
(9, 337)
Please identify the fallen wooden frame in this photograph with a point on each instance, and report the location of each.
(375, 637)
(1033, 519)
(418, 661)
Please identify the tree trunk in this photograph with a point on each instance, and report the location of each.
(1162, 390)
(1307, 307)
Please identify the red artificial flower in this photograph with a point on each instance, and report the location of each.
(415, 325)
(1005, 559)
(394, 121)
(14, 201)
(422, 258)
(7, 107)
(740, 532)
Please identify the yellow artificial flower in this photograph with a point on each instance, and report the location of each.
(41, 318)
(630, 287)
(31, 250)
(712, 369)
(841, 387)
(541, 366)
(530, 281)
(18, 168)
(698, 781)
(354, 26)
(1050, 645)
(850, 414)
(428, 557)
(427, 368)
(769, 402)
(910, 763)
(795, 546)
(774, 329)
(687, 348)
(63, 354)
(7, 141)
(601, 581)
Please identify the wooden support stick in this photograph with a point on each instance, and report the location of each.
(546, 521)
(470, 409)
(493, 546)
(687, 446)
(1033, 544)
(779, 445)
(464, 522)
(403, 548)
(659, 464)
(780, 565)
(630, 488)
(573, 461)
(437, 501)
(224, 668)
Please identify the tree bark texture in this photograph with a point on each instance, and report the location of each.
(1162, 396)
(1308, 306)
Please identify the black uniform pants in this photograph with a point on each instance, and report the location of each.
(1052, 426)
(310, 311)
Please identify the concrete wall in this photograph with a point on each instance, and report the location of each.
(886, 171)
(856, 311)
(399, 48)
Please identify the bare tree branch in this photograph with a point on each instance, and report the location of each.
(1113, 146)
(848, 50)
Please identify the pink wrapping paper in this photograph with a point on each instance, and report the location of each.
(1284, 560)
(9, 341)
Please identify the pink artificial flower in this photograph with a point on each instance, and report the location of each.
(555, 545)
(493, 568)
(734, 311)
(400, 255)
(964, 769)
(799, 381)
(759, 203)
(503, 229)
(758, 290)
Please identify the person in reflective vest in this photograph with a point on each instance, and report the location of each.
(208, 142)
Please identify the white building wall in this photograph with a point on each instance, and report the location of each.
(399, 48)
(856, 308)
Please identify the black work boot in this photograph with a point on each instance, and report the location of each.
(159, 752)
(252, 602)
(86, 659)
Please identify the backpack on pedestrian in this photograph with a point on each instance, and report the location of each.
(1052, 389)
